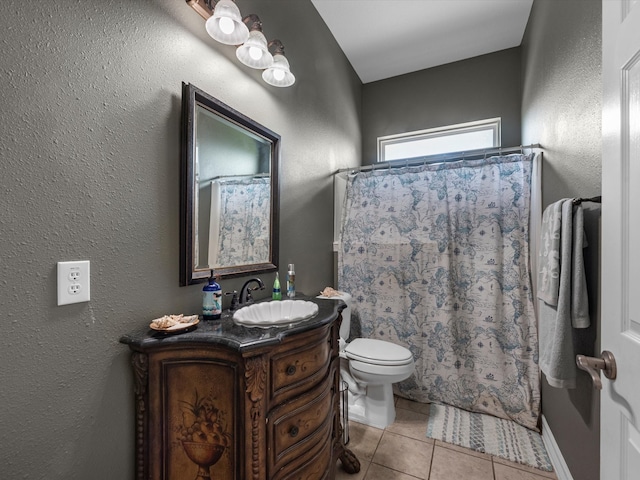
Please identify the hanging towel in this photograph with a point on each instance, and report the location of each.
(549, 255)
(579, 297)
(557, 358)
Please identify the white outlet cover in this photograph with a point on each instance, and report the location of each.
(74, 284)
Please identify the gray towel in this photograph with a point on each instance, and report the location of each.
(579, 297)
(557, 357)
(549, 255)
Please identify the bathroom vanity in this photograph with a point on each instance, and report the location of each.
(228, 402)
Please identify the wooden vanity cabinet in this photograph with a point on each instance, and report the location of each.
(238, 410)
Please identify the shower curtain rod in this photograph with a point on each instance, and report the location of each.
(440, 158)
(246, 175)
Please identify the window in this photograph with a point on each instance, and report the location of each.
(451, 138)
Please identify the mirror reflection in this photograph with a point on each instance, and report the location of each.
(230, 170)
(233, 181)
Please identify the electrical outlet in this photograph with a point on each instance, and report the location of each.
(73, 282)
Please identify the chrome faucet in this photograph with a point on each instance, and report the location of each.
(245, 292)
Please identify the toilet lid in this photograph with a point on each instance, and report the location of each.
(378, 352)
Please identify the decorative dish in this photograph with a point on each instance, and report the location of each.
(174, 323)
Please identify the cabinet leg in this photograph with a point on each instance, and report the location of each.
(350, 463)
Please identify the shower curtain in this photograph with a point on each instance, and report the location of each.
(436, 259)
(239, 224)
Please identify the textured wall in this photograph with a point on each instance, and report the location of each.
(561, 109)
(482, 87)
(89, 167)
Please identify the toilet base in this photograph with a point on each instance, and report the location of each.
(375, 408)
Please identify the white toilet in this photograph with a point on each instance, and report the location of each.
(370, 367)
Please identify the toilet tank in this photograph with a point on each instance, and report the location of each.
(345, 326)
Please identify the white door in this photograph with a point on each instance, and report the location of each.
(620, 329)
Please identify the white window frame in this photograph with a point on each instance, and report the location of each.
(493, 124)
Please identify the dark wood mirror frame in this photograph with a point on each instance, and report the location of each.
(192, 97)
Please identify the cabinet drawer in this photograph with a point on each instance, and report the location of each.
(297, 369)
(297, 427)
(316, 465)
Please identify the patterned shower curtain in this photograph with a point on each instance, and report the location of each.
(239, 224)
(436, 259)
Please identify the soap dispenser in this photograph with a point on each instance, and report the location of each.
(211, 299)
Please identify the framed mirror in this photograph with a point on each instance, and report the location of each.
(229, 208)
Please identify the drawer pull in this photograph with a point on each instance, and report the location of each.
(291, 370)
(293, 431)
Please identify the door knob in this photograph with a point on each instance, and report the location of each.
(591, 365)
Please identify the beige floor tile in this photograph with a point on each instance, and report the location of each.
(363, 440)
(378, 472)
(414, 406)
(504, 472)
(410, 424)
(448, 464)
(526, 468)
(404, 454)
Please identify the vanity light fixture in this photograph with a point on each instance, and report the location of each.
(225, 25)
(278, 74)
(254, 52)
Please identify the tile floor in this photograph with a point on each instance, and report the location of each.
(403, 452)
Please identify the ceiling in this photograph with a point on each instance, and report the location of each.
(386, 38)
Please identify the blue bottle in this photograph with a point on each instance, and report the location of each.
(211, 299)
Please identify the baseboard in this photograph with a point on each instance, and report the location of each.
(555, 455)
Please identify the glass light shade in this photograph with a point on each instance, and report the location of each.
(225, 25)
(254, 53)
(279, 74)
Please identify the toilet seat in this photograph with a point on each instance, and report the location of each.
(378, 352)
(380, 373)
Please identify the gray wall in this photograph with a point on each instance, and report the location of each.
(89, 167)
(483, 87)
(561, 109)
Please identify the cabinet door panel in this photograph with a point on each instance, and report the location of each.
(196, 432)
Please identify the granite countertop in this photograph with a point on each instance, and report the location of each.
(226, 332)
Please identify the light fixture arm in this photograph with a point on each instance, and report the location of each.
(276, 47)
(253, 22)
(204, 8)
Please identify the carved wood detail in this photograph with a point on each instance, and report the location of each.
(140, 363)
(256, 379)
(350, 463)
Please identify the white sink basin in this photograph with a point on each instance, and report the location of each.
(268, 314)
